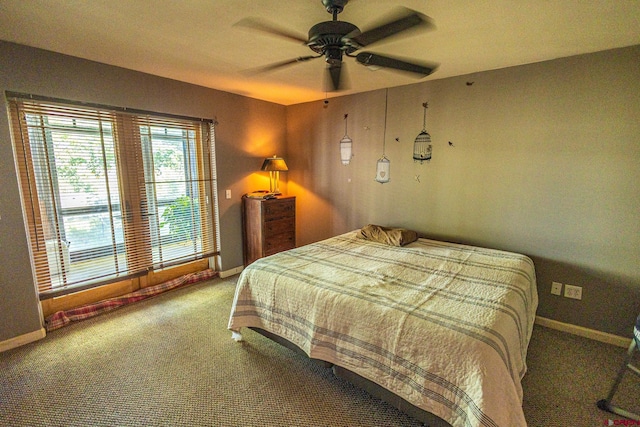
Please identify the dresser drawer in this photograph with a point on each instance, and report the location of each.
(279, 226)
(274, 210)
(280, 242)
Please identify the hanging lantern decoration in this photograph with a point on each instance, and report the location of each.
(382, 169)
(383, 164)
(346, 145)
(422, 144)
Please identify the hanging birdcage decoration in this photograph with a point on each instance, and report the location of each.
(382, 170)
(383, 165)
(422, 143)
(346, 145)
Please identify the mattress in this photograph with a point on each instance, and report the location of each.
(442, 325)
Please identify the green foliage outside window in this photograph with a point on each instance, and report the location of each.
(183, 218)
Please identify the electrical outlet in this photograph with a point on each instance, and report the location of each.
(556, 288)
(574, 292)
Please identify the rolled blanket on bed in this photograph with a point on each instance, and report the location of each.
(387, 235)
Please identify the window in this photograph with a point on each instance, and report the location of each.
(111, 194)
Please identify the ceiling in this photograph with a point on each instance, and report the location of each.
(196, 41)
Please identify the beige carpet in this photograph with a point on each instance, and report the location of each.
(170, 361)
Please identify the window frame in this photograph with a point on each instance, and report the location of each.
(132, 203)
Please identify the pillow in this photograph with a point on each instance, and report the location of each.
(387, 235)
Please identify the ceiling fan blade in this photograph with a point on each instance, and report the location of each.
(272, 29)
(374, 60)
(281, 64)
(397, 24)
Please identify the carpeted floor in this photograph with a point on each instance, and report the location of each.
(170, 361)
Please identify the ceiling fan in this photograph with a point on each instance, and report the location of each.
(335, 39)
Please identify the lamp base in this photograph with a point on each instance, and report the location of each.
(274, 182)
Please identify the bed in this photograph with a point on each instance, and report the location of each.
(442, 327)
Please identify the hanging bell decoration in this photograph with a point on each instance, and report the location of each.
(346, 145)
(422, 144)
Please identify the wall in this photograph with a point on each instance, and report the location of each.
(249, 130)
(545, 161)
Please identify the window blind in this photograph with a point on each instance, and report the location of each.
(109, 194)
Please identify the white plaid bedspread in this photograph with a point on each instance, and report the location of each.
(444, 326)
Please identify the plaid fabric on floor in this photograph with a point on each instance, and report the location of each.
(62, 318)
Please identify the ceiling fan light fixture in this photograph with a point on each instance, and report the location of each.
(334, 56)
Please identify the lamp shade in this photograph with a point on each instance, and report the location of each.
(274, 164)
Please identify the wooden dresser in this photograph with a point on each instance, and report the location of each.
(269, 226)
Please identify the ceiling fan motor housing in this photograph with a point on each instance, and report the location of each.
(330, 34)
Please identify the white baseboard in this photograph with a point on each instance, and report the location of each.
(585, 332)
(22, 339)
(231, 272)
